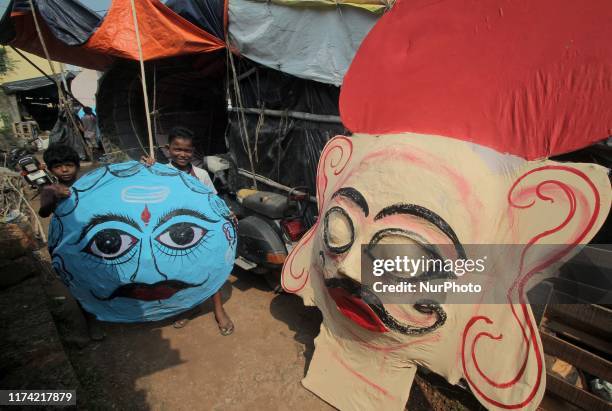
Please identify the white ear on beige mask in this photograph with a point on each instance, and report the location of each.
(495, 347)
(561, 205)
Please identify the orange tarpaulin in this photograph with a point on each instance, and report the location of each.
(27, 39)
(163, 33)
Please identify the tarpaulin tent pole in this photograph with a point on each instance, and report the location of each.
(61, 97)
(44, 45)
(143, 79)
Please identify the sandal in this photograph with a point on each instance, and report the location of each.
(180, 323)
(225, 331)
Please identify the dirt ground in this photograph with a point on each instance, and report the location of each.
(156, 367)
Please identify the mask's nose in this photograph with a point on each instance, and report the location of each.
(350, 265)
(146, 269)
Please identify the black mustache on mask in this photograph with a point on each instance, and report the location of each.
(148, 292)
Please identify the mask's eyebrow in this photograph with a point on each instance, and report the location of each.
(424, 213)
(182, 211)
(104, 218)
(355, 196)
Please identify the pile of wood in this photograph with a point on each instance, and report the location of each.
(580, 336)
(20, 231)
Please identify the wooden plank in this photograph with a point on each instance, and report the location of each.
(584, 337)
(576, 356)
(575, 395)
(587, 317)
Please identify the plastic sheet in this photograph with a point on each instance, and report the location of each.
(287, 149)
(64, 133)
(313, 43)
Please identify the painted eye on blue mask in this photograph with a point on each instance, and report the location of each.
(180, 237)
(110, 244)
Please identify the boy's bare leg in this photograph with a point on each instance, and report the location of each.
(93, 326)
(226, 327)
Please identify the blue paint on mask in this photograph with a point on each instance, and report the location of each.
(136, 243)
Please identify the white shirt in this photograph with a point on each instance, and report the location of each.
(201, 175)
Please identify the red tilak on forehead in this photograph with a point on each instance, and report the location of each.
(145, 216)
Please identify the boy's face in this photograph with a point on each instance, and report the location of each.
(181, 151)
(65, 172)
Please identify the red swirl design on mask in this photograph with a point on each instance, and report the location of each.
(335, 156)
(528, 329)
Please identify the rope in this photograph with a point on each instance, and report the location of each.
(154, 114)
(143, 80)
(129, 101)
(241, 117)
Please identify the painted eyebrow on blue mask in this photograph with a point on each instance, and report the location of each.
(182, 211)
(104, 218)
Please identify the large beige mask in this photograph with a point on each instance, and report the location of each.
(415, 188)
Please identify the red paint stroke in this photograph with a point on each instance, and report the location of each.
(145, 216)
(361, 376)
(430, 162)
(342, 148)
(518, 286)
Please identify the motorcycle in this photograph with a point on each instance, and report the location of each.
(33, 172)
(269, 224)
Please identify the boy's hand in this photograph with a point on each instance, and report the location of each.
(147, 161)
(61, 191)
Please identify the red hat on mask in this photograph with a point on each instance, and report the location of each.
(527, 77)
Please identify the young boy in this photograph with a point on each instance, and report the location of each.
(64, 163)
(180, 148)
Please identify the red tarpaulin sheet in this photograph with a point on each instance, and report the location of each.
(532, 78)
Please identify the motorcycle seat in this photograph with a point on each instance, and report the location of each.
(271, 205)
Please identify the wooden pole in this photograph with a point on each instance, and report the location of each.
(144, 81)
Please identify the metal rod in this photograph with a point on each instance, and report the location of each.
(323, 118)
(273, 183)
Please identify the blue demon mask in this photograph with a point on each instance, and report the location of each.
(136, 243)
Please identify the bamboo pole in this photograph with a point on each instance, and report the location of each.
(144, 81)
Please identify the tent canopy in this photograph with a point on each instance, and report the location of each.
(75, 34)
(13, 87)
(309, 39)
